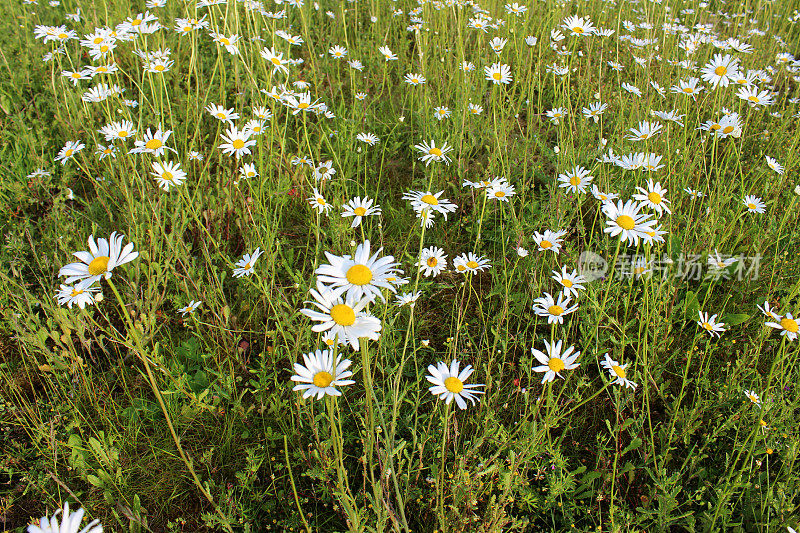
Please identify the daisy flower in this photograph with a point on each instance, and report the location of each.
(653, 197)
(407, 298)
(555, 115)
(602, 196)
(501, 190)
(787, 325)
(360, 276)
(321, 374)
(716, 262)
(755, 97)
(369, 138)
(594, 111)
(190, 308)
(248, 170)
(632, 89)
(80, 294)
(645, 131)
(422, 201)
(337, 52)
(359, 209)
(168, 174)
(344, 318)
(276, 59)
(572, 282)
(555, 311)
(70, 522)
(498, 73)
(721, 70)
(617, 372)
(237, 142)
(244, 266)
(222, 114)
(432, 261)
(753, 397)
(469, 262)
(69, 150)
(103, 257)
(318, 202)
(324, 171)
(448, 383)
(626, 221)
(554, 361)
(153, 143)
(578, 26)
(388, 55)
(414, 79)
(122, 131)
(575, 180)
(774, 165)
(430, 153)
(710, 324)
(754, 204)
(549, 240)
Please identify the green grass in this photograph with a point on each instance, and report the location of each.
(156, 422)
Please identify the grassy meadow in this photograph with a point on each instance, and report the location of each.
(406, 266)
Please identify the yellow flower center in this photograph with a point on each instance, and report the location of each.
(69, 152)
(97, 40)
(238, 144)
(167, 176)
(359, 211)
(359, 275)
(638, 270)
(461, 268)
(435, 151)
(574, 181)
(567, 283)
(721, 70)
(751, 205)
(753, 398)
(153, 144)
(322, 379)
(453, 384)
(432, 261)
(225, 41)
(76, 75)
(715, 127)
(136, 22)
(429, 198)
(275, 61)
(62, 35)
(789, 325)
(753, 99)
(625, 222)
(577, 29)
(98, 265)
(546, 244)
(643, 136)
(221, 116)
(321, 200)
(688, 90)
(104, 48)
(708, 326)
(159, 68)
(497, 76)
(654, 198)
(102, 68)
(122, 133)
(187, 28)
(76, 292)
(556, 365)
(499, 194)
(619, 371)
(472, 264)
(343, 315)
(555, 310)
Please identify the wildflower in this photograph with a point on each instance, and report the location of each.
(344, 318)
(572, 282)
(369, 138)
(626, 221)
(549, 240)
(448, 383)
(415, 79)
(407, 298)
(276, 59)
(248, 170)
(337, 52)
(645, 131)
(721, 70)
(103, 257)
(555, 115)
(190, 308)
(755, 97)
(432, 261)
(500, 189)
(387, 53)
(753, 397)
(554, 361)
(153, 143)
(433, 154)
(237, 142)
(168, 174)
(632, 89)
(575, 180)
(787, 325)
(498, 73)
(774, 165)
(324, 171)
(70, 522)
(319, 203)
(555, 311)
(710, 324)
(595, 110)
(245, 265)
(362, 275)
(440, 113)
(80, 293)
(122, 131)
(222, 114)
(754, 204)
(358, 209)
(321, 374)
(653, 197)
(617, 372)
(578, 26)
(69, 150)
(469, 262)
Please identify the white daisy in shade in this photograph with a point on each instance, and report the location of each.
(554, 361)
(358, 209)
(617, 372)
(753, 397)
(572, 282)
(342, 317)
(432, 261)
(549, 240)
(555, 311)
(448, 383)
(710, 324)
(767, 310)
(774, 165)
(103, 257)
(69, 150)
(407, 298)
(787, 325)
(190, 308)
(244, 266)
(362, 275)
(168, 174)
(70, 522)
(470, 262)
(79, 294)
(321, 374)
